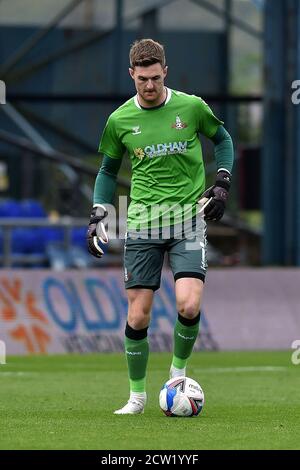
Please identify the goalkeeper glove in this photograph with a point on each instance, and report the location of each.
(96, 234)
(214, 199)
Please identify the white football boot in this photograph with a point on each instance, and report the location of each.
(135, 404)
(174, 372)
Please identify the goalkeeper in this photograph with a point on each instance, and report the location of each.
(159, 129)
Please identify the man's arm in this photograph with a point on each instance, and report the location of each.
(224, 153)
(217, 195)
(104, 193)
(106, 181)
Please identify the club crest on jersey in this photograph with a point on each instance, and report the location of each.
(136, 130)
(178, 125)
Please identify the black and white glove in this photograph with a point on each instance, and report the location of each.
(213, 200)
(96, 235)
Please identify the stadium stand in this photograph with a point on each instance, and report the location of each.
(44, 243)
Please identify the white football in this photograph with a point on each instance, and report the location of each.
(181, 396)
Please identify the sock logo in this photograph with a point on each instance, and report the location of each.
(134, 353)
(186, 337)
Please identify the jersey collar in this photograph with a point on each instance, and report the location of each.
(169, 94)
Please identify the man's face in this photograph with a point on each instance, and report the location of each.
(149, 83)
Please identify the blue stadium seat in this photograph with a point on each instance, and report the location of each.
(32, 209)
(10, 208)
(26, 208)
(50, 234)
(79, 237)
(26, 241)
(35, 242)
(19, 241)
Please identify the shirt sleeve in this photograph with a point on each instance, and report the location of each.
(207, 122)
(110, 143)
(106, 181)
(224, 151)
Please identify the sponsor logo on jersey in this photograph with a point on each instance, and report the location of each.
(161, 150)
(139, 153)
(136, 130)
(178, 125)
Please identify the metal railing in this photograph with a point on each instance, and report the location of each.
(67, 224)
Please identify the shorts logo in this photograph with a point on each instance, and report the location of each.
(127, 275)
(178, 125)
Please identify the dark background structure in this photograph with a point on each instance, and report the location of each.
(65, 74)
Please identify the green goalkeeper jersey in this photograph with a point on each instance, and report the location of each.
(163, 145)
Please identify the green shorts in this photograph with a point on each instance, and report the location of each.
(144, 257)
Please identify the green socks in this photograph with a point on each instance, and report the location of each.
(137, 353)
(185, 335)
(137, 349)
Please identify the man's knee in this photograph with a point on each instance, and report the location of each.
(138, 319)
(188, 309)
(139, 308)
(188, 297)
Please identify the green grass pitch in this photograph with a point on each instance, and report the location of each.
(67, 402)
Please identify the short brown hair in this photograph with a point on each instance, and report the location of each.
(146, 52)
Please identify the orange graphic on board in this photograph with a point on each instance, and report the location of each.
(17, 306)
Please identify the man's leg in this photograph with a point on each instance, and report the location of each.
(137, 347)
(188, 299)
(188, 262)
(143, 260)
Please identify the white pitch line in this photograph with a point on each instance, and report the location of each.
(225, 370)
(16, 374)
(204, 370)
